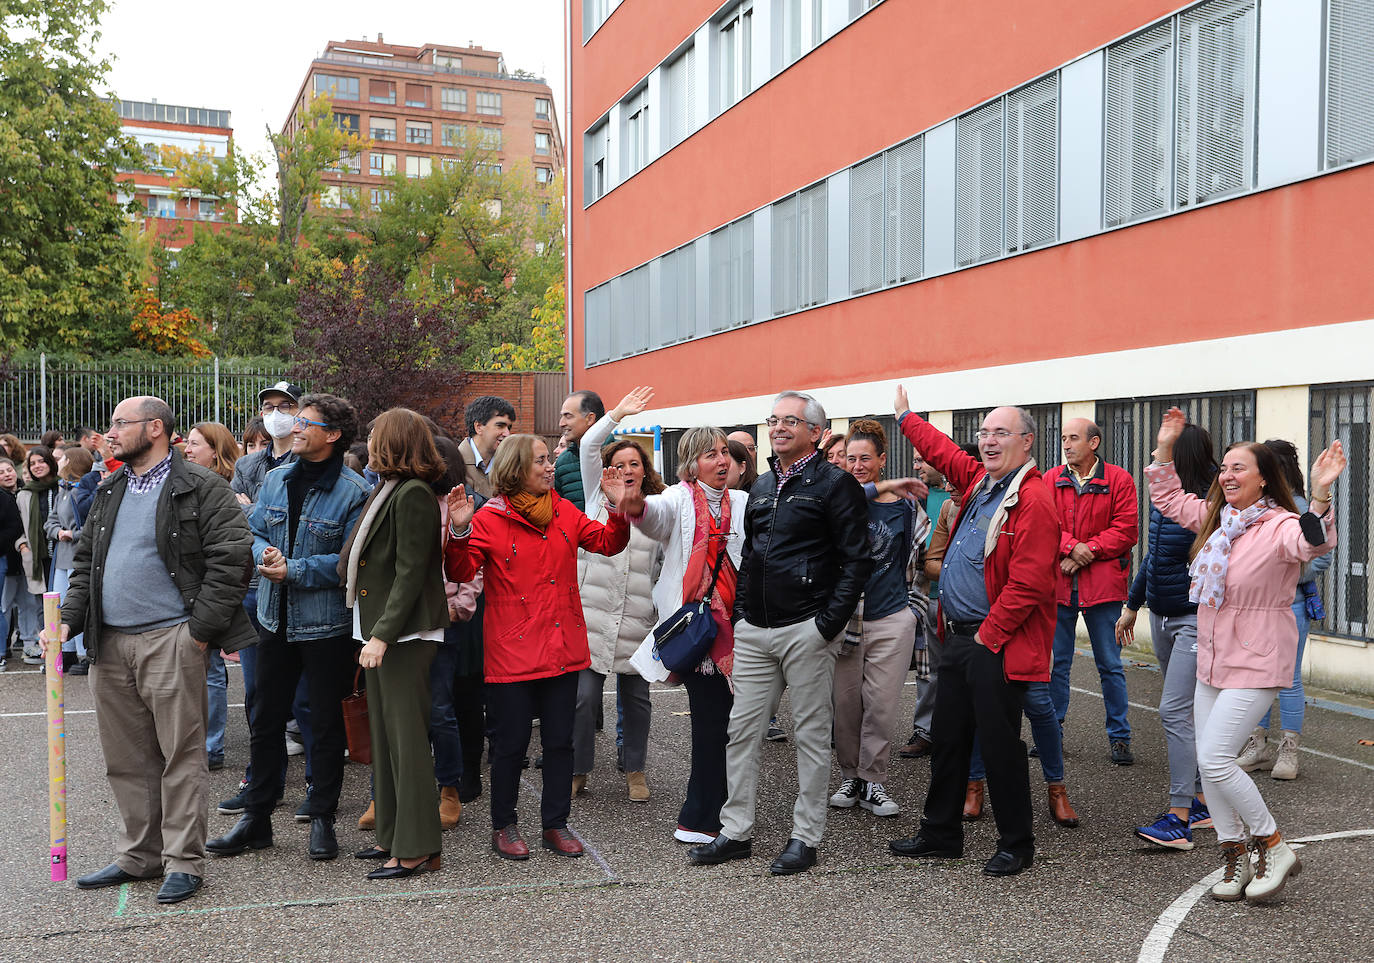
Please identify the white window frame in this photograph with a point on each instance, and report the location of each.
(734, 54)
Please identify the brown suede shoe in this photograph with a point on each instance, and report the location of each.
(368, 820)
(579, 785)
(973, 800)
(638, 786)
(450, 809)
(1059, 806)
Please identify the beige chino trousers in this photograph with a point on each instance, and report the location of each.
(868, 688)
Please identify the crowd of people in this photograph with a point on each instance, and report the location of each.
(476, 586)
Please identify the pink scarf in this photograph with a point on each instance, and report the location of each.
(1208, 570)
(698, 577)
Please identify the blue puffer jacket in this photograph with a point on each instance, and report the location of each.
(1163, 579)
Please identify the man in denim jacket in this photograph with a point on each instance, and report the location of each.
(303, 515)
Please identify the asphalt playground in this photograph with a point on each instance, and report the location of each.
(1094, 893)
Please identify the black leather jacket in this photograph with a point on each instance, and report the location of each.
(806, 550)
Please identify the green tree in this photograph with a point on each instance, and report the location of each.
(545, 349)
(67, 271)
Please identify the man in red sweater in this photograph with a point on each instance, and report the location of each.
(996, 625)
(1096, 503)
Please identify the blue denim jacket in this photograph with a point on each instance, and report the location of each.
(315, 604)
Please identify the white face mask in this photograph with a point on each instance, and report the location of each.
(278, 424)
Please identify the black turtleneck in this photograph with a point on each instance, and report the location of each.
(303, 478)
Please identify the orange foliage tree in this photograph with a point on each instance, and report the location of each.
(178, 333)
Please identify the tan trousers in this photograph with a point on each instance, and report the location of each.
(149, 692)
(868, 688)
(765, 660)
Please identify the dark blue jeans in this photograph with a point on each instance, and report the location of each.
(443, 718)
(1101, 623)
(1036, 704)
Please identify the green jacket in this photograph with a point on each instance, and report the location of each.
(567, 477)
(204, 541)
(401, 568)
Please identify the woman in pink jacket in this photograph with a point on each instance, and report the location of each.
(1250, 547)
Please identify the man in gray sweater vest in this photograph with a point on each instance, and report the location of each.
(150, 612)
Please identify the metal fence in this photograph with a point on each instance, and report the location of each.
(1346, 412)
(39, 396)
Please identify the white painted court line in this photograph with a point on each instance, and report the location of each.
(73, 712)
(1162, 933)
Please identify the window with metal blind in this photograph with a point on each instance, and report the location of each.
(796, 29)
(734, 54)
(383, 128)
(1139, 142)
(596, 324)
(1033, 165)
(597, 145)
(731, 256)
(381, 91)
(1216, 100)
(1347, 412)
(634, 139)
(679, 97)
(1349, 100)
(418, 132)
(813, 244)
(677, 296)
(1045, 447)
(783, 253)
(904, 224)
(866, 226)
(632, 312)
(417, 95)
(978, 153)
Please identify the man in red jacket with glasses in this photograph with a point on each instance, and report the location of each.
(996, 625)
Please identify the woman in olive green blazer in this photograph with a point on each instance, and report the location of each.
(393, 568)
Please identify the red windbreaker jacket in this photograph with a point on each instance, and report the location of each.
(1104, 516)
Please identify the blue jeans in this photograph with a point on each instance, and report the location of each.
(1035, 702)
(443, 720)
(1101, 622)
(217, 690)
(17, 594)
(1292, 700)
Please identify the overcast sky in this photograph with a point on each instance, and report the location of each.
(250, 56)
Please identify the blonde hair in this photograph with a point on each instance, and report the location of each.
(694, 443)
(511, 464)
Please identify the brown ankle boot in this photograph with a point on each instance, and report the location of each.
(450, 808)
(973, 800)
(1060, 809)
(368, 820)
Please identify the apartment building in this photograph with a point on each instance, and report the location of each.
(154, 186)
(1087, 209)
(420, 105)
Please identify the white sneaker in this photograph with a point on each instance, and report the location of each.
(1286, 762)
(1275, 864)
(690, 836)
(848, 794)
(1236, 863)
(1256, 753)
(878, 802)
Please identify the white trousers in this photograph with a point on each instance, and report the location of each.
(1223, 720)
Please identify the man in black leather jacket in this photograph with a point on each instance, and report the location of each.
(806, 560)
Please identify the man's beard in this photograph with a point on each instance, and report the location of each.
(135, 451)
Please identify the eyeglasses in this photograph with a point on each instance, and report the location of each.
(119, 424)
(304, 423)
(791, 421)
(1001, 434)
(285, 407)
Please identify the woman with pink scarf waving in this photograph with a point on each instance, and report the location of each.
(1251, 545)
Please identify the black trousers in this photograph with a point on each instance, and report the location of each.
(709, 699)
(469, 705)
(511, 707)
(974, 695)
(328, 665)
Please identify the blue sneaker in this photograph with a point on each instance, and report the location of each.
(1198, 816)
(1167, 831)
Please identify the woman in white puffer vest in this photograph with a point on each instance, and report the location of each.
(617, 600)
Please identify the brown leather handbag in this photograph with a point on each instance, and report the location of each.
(356, 724)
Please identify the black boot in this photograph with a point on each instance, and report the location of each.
(323, 844)
(250, 832)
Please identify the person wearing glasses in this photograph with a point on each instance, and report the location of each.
(150, 611)
(805, 561)
(301, 518)
(996, 622)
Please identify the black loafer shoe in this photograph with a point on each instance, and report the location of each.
(111, 875)
(250, 832)
(1007, 864)
(323, 843)
(921, 848)
(720, 850)
(796, 857)
(177, 887)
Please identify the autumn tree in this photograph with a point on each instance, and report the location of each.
(546, 348)
(361, 336)
(67, 273)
